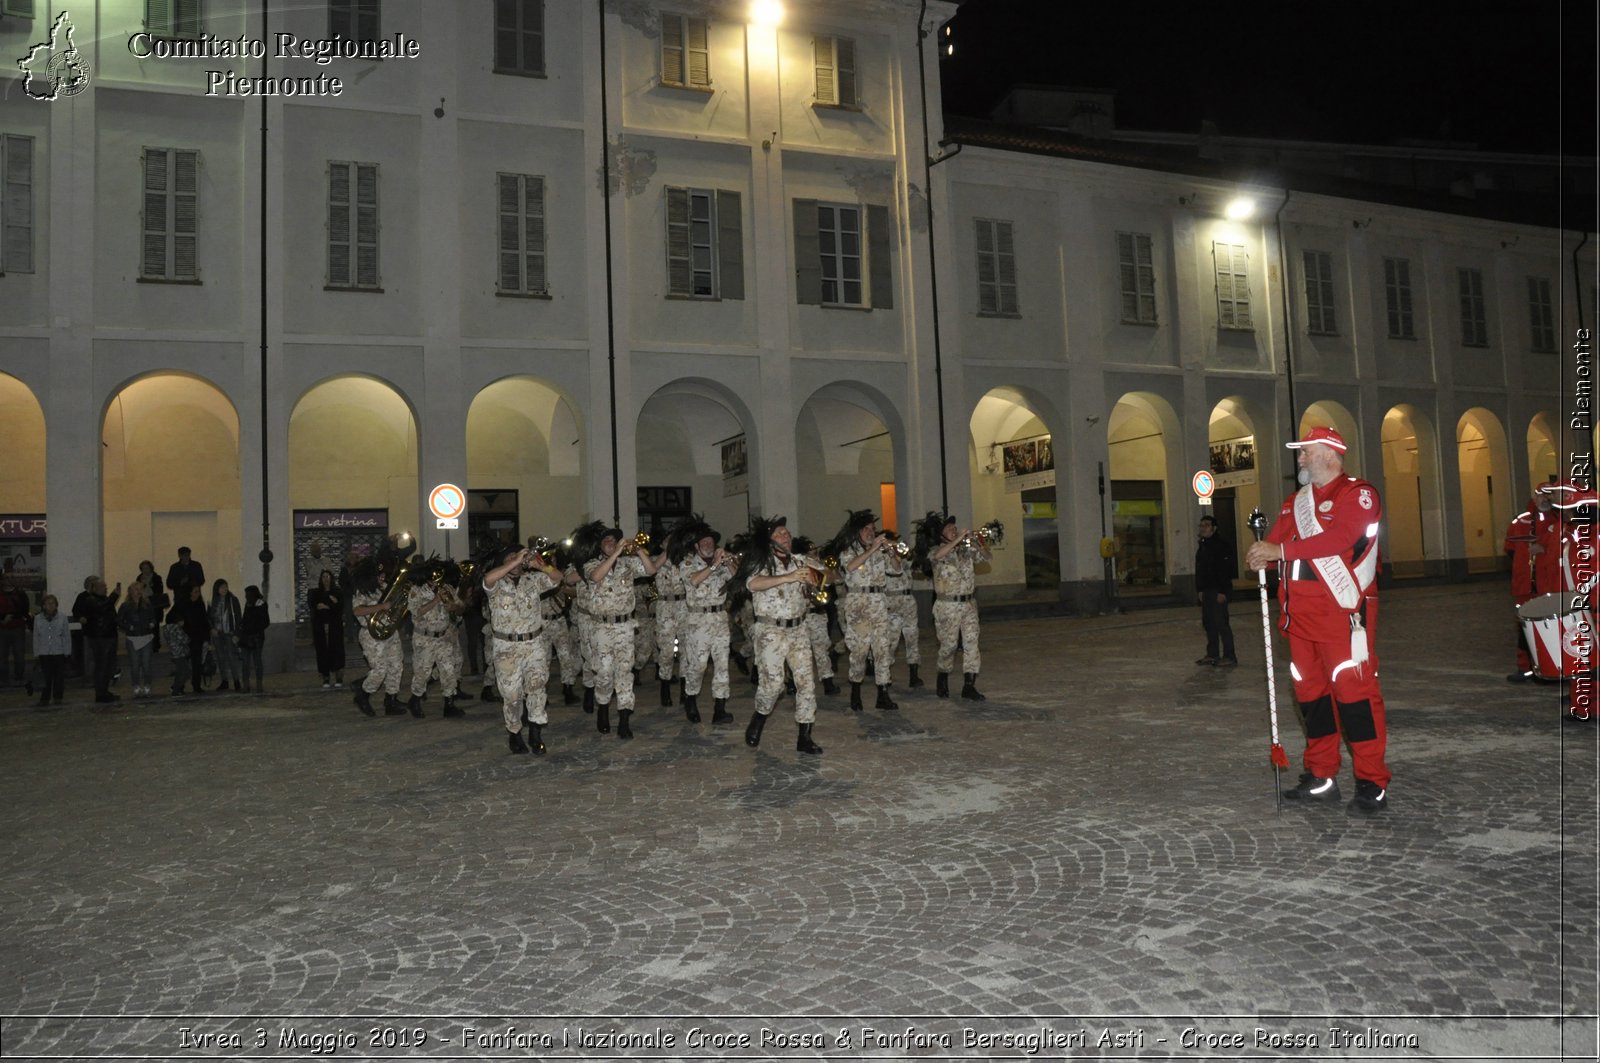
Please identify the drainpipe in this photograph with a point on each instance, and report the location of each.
(266, 508)
(928, 162)
(1288, 324)
(611, 310)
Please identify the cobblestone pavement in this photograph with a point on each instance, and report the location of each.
(1093, 852)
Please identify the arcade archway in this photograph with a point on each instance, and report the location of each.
(1141, 435)
(1412, 506)
(1013, 470)
(1486, 497)
(22, 487)
(684, 429)
(524, 464)
(845, 453)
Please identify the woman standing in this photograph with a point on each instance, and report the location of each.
(137, 619)
(186, 632)
(225, 619)
(52, 642)
(326, 602)
(253, 634)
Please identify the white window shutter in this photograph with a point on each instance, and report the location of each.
(509, 196)
(339, 256)
(672, 64)
(680, 265)
(534, 236)
(367, 226)
(156, 221)
(1005, 267)
(16, 204)
(827, 88)
(698, 51)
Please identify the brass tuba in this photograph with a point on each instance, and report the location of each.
(384, 624)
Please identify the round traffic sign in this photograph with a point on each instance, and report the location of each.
(1204, 483)
(447, 501)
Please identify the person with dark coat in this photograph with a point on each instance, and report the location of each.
(96, 612)
(326, 605)
(184, 573)
(192, 614)
(1215, 568)
(253, 635)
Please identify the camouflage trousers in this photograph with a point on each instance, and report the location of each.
(488, 655)
(706, 637)
(672, 620)
(867, 630)
(644, 638)
(564, 643)
(821, 644)
(776, 647)
(522, 670)
(903, 616)
(385, 662)
(584, 625)
(613, 664)
(953, 620)
(435, 651)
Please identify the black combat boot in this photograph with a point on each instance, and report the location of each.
(915, 680)
(942, 686)
(363, 702)
(450, 709)
(602, 718)
(739, 662)
(829, 686)
(752, 733)
(691, 707)
(755, 675)
(805, 744)
(683, 689)
(415, 705)
(489, 693)
(636, 677)
(666, 693)
(885, 702)
(719, 711)
(516, 742)
(970, 689)
(392, 706)
(588, 699)
(536, 739)
(462, 695)
(855, 697)
(567, 696)
(624, 732)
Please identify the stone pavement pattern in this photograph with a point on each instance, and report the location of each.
(1097, 839)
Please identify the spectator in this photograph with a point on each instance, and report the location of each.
(52, 641)
(326, 605)
(253, 634)
(184, 574)
(138, 618)
(157, 592)
(96, 613)
(1215, 568)
(13, 633)
(346, 588)
(192, 626)
(225, 617)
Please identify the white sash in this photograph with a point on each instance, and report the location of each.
(1341, 582)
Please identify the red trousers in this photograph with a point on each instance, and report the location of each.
(1341, 700)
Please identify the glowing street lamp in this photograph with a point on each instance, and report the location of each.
(1240, 208)
(766, 12)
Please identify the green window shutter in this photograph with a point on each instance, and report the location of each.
(680, 256)
(878, 264)
(807, 254)
(1005, 267)
(730, 244)
(158, 17)
(532, 57)
(185, 214)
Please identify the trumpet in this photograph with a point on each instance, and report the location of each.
(819, 592)
(901, 548)
(637, 543)
(545, 549)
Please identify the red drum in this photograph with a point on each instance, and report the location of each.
(1560, 632)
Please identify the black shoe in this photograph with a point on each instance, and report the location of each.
(739, 662)
(915, 680)
(969, 689)
(567, 696)
(536, 739)
(489, 693)
(804, 744)
(1521, 677)
(941, 685)
(1228, 662)
(450, 709)
(719, 711)
(416, 706)
(588, 699)
(624, 732)
(885, 702)
(666, 693)
(691, 707)
(28, 686)
(392, 706)
(237, 687)
(1370, 797)
(829, 686)
(752, 733)
(855, 698)
(517, 744)
(462, 695)
(636, 677)
(602, 718)
(1206, 660)
(1312, 788)
(755, 675)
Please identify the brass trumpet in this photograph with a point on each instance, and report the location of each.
(820, 594)
(901, 548)
(637, 543)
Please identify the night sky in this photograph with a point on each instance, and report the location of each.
(1489, 74)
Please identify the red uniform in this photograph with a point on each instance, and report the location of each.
(1573, 549)
(1328, 589)
(1520, 535)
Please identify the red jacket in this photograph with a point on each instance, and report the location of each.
(1349, 512)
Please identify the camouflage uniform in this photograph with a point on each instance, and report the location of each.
(706, 633)
(902, 607)
(433, 644)
(866, 616)
(955, 610)
(746, 619)
(821, 645)
(644, 631)
(671, 620)
(780, 638)
(583, 620)
(521, 655)
(611, 605)
(563, 640)
(385, 660)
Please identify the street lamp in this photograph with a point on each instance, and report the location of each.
(766, 12)
(1239, 208)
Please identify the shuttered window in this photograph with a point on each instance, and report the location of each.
(997, 268)
(171, 215)
(705, 244)
(522, 264)
(1397, 298)
(178, 19)
(354, 20)
(353, 225)
(16, 204)
(1474, 315)
(17, 8)
(1136, 276)
(842, 255)
(519, 37)
(1320, 318)
(1541, 316)
(685, 51)
(836, 71)
(1233, 286)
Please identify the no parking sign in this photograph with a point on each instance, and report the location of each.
(1204, 485)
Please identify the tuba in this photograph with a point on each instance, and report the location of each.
(395, 604)
(820, 594)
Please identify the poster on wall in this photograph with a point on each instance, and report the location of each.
(735, 467)
(22, 542)
(1233, 461)
(1029, 464)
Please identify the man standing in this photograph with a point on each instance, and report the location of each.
(902, 606)
(13, 632)
(952, 557)
(1325, 543)
(705, 573)
(864, 564)
(434, 643)
(1523, 545)
(780, 587)
(521, 655)
(97, 613)
(610, 576)
(1215, 567)
(385, 660)
(184, 573)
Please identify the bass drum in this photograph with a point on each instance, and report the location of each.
(1560, 632)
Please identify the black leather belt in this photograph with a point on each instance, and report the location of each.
(709, 608)
(867, 590)
(791, 622)
(620, 618)
(527, 637)
(957, 597)
(897, 592)
(669, 597)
